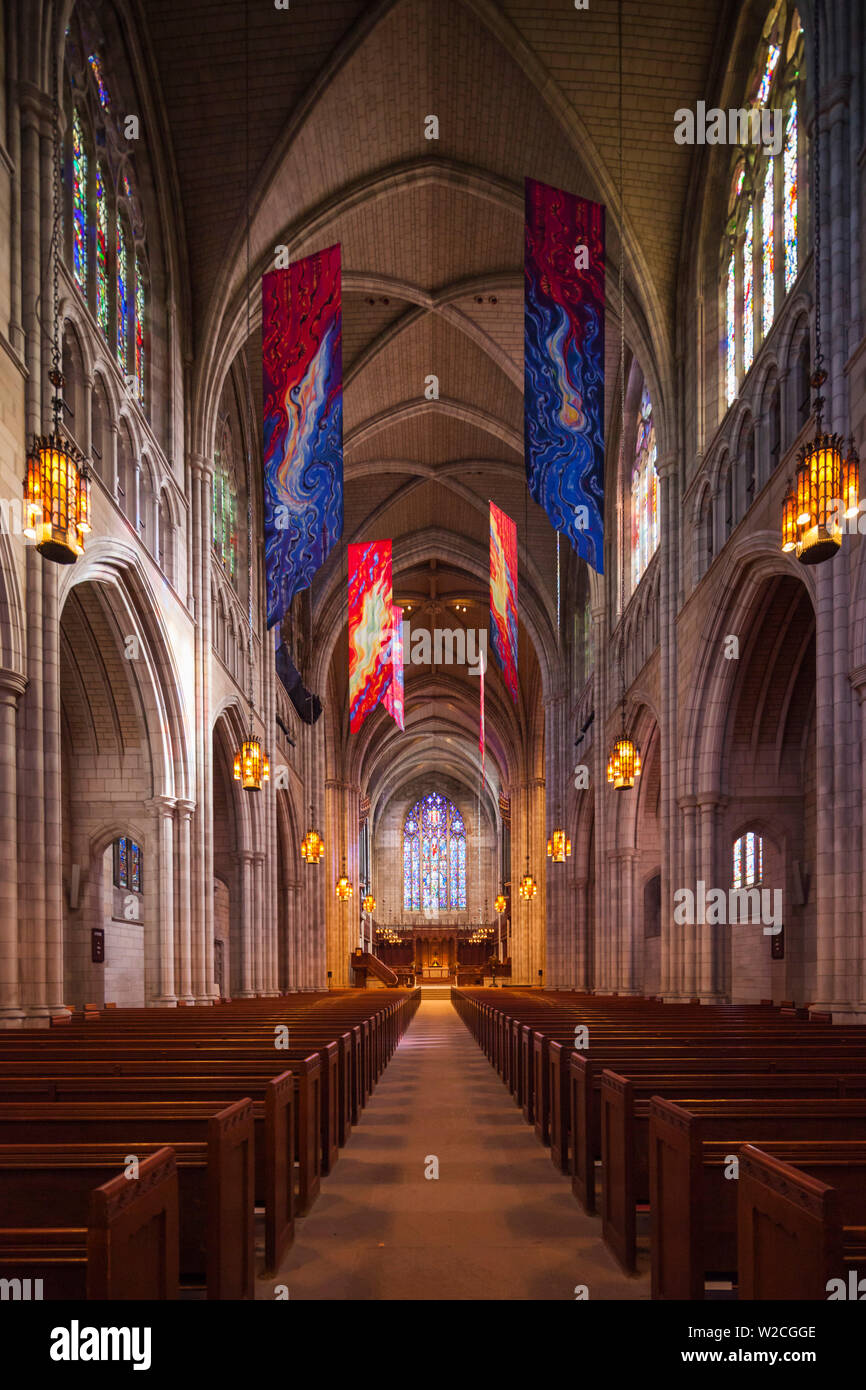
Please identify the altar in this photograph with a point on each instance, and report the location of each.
(436, 972)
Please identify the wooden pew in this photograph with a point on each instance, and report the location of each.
(625, 1106)
(217, 1213)
(799, 1227)
(693, 1205)
(128, 1248)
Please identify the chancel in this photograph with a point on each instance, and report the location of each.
(432, 652)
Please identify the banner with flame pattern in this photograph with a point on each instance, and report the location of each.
(563, 350)
(371, 628)
(503, 595)
(302, 395)
(394, 696)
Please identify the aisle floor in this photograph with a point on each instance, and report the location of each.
(499, 1222)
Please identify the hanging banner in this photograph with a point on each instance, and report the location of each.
(370, 628)
(503, 595)
(481, 739)
(394, 695)
(302, 396)
(563, 333)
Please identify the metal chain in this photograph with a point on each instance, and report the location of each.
(55, 350)
(819, 356)
(246, 354)
(621, 277)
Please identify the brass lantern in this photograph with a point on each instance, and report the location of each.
(344, 887)
(499, 903)
(252, 766)
(820, 534)
(312, 845)
(559, 847)
(369, 903)
(850, 492)
(623, 765)
(57, 492)
(528, 887)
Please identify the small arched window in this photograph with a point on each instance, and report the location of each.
(761, 252)
(748, 860)
(434, 856)
(803, 385)
(644, 492)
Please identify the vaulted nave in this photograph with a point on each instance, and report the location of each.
(432, 654)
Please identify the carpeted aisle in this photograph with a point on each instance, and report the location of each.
(498, 1223)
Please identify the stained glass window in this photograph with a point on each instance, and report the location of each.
(79, 203)
(644, 492)
(790, 197)
(434, 856)
(749, 292)
(768, 252)
(748, 860)
(225, 508)
(101, 252)
(768, 74)
(134, 866)
(730, 335)
(139, 330)
(99, 79)
(122, 297)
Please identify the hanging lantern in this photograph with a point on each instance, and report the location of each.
(623, 765)
(790, 533)
(810, 523)
(559, 847)
(312, 845)
(252, 767)
(499, 903)
(369, 903)
(851, 481)
(344, 887)
(528, 887)
(57, 493)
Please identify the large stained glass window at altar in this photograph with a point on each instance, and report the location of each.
(434, 856)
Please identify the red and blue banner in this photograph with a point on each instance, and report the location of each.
(563, 333)
(394, 695)
(503, 595)
(302, 394)
(371, 628)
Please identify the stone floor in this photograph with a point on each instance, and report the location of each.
(498, 1223)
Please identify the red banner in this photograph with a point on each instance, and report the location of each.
(503, 595)
(394, 695)
(370, 628)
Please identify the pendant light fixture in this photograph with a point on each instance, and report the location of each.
(623, 764)
(559, 847)
(500, 903)
(252, 766)
(57, 484)
(344, 888)
(312, 845)
(811, 525)
(369, 904)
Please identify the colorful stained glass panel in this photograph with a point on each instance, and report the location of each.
(434, 856)
(730, 335)
(768, 251)
(644, 492)
(139, 331)
(749, 292)
(790, 193)
(79, 203)
(122, 298)
(101, 252)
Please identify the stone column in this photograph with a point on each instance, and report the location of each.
(680, 935)
(12, 686)
(184, 905)
(162, 808)
(260, 966)
(247, 990)
(559, 904)
(713, 942)
(671, 840)
(630, 953)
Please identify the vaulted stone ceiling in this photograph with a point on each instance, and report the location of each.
(431, 234)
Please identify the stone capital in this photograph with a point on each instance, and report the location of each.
(857, 677)
(12, 685)
(162, 806)
(666, 467)
(185, 808)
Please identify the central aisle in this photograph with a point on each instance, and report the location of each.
(499, 1222)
